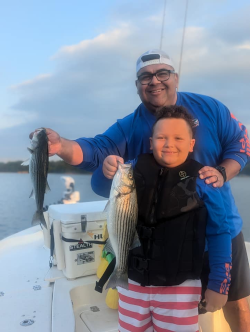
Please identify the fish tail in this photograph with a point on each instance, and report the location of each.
(118, 280)
(38, 218)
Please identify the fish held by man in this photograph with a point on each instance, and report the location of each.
(122, 213)
(38, 170)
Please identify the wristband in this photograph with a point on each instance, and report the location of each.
(222, 171)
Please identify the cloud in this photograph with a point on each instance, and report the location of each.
(105, 41)
(235, 29)
(213, 66)
(14, 119)
(32, 82)
(245, 46)
(92, 83)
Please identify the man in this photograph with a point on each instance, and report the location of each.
(222, 143)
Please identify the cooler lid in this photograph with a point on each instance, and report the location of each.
(74, 213)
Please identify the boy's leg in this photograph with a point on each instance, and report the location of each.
(175, 308)
(134, 309)
(236, 311)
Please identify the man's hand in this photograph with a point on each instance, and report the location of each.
(214, 301)
(110, 165)
(54, 141)
(212, 176)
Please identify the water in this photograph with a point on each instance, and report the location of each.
(16, 208)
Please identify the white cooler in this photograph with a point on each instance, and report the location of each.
(73, 226)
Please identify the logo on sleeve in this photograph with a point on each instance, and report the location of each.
(195, 123)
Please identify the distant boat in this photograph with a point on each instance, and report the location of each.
(70, 196)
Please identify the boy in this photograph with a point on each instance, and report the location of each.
(164, 286)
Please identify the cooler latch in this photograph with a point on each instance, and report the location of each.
(84, 222)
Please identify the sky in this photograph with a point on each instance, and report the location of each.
(70, 65)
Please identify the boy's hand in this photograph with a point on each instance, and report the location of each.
(110, 165)
(214, 301)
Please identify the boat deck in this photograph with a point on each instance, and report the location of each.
(31, 293)
(25, 296)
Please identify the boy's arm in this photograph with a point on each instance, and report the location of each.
(218, 239)
(101, 183)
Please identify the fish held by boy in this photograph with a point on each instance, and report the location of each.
(122, 216)
(38, 169)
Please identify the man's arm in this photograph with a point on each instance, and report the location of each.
(212, 175)
(232, 168)
(87, 153)
(68, 150)
(233, 137)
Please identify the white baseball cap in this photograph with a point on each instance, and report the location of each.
(153, 57)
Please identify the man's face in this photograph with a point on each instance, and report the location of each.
(171, 142)
(157, 94)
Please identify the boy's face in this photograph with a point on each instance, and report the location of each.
(171, 142)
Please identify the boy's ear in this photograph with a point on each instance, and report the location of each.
(192, 143)
(151, 144)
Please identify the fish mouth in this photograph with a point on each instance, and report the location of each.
(124, 165)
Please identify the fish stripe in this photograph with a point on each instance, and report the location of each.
(122, 218)
(124, 227)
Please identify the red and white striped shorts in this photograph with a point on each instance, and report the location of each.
(148, 309)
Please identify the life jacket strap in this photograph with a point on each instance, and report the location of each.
(80, 240)
(106, 275)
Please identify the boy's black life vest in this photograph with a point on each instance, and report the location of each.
(171, 224)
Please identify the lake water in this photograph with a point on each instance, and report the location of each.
(17, 209)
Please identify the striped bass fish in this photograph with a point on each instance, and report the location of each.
(122, 216)
(38, 170)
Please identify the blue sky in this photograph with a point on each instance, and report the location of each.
(70, 66)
